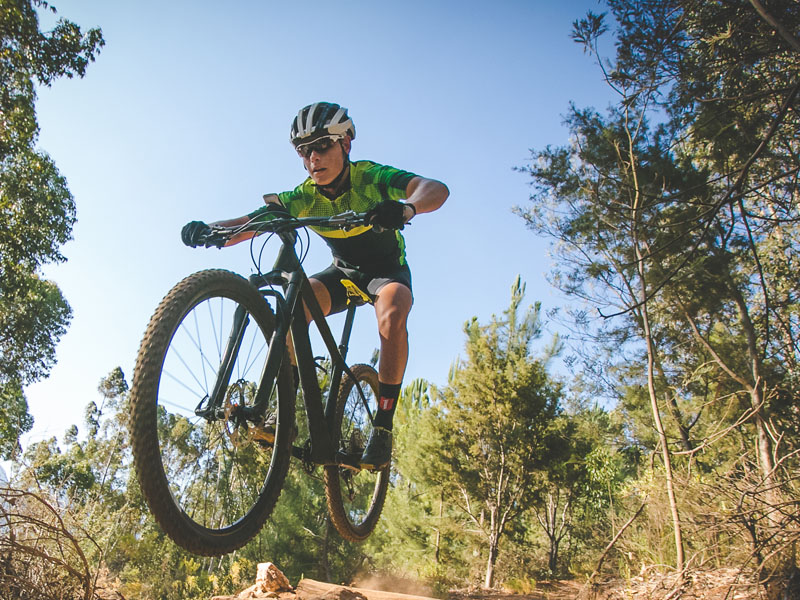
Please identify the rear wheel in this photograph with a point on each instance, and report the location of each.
(355, 497)
(210, 476)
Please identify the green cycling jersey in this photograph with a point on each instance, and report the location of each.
(369, 184)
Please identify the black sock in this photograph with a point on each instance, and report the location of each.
(387, 403)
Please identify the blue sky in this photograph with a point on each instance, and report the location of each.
(186, 114)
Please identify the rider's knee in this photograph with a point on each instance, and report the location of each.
(392, 322)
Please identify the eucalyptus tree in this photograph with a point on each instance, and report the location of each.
(37, 210)
(679, 210)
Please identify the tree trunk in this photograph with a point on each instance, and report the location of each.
(325, 565)
(554, 530)
(757, 399)
(675, 413)
(488, 581)
(662, 436)
(438, 528)
(552, 556)
(651, 360)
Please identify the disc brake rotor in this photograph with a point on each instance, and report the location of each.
(234, 402)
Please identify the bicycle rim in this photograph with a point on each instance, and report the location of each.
(355, 497)
(210, 479)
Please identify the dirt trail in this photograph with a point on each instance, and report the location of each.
(719, 584)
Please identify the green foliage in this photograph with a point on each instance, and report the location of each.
(501, 413)
(37, 210)
(676, 213)
(489, 435)
(420, 534)
(14, 418)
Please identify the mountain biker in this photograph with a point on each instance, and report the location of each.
(372, 256)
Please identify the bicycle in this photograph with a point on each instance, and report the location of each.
(213, 402)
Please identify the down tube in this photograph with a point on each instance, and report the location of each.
(275, 354)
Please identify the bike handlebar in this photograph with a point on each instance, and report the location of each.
(218, 235)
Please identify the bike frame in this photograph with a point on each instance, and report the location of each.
(297, 291)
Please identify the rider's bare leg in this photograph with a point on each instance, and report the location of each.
(391, 309)
(323, 297)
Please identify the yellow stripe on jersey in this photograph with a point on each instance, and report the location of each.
(341, 233)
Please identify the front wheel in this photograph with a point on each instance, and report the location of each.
(355, 498)
(210, 474)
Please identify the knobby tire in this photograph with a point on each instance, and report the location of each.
(355, 498)
(217, 465)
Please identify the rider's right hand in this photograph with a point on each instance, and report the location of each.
(389, 214)
(193, 234)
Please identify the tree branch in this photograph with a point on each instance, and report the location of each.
(614, 541)
(785, 33)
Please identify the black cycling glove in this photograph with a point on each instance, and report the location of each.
(389, 214)
(193, 234)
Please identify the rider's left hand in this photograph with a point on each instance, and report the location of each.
(389, 214)
(193, 233)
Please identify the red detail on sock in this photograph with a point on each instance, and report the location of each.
(386, 403)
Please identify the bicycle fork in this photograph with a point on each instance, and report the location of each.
(214, 402)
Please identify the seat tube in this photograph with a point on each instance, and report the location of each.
(336, 376)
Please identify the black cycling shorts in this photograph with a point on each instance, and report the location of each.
(370, 283)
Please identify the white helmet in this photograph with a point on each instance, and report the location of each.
(322, 119)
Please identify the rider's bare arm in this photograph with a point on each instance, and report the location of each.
(426, 195)
(246, 235)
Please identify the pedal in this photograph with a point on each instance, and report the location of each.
(262, 436)
(348, 461)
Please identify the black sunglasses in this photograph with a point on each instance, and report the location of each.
(319, 146)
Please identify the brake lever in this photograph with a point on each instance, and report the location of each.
(217, 237)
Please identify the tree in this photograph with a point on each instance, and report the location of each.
(37, 210)
(583, 483)
(490, 433)
(420, 534)
(679, 209)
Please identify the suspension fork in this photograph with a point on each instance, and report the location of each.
(232, 346)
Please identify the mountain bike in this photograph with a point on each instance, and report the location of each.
(213, 400)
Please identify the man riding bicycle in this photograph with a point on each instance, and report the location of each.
(372, 256)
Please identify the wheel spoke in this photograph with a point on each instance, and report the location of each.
(219, 487)
(355, 498)
(208, 482)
